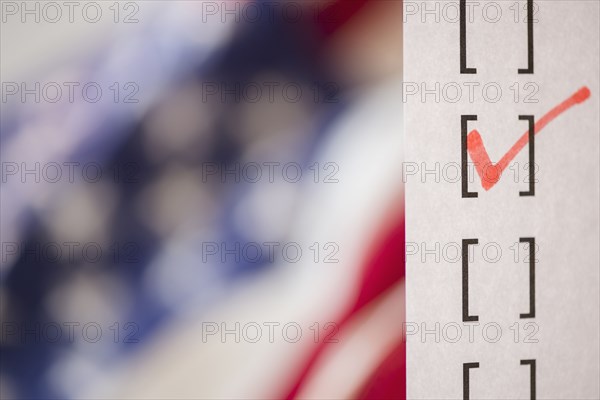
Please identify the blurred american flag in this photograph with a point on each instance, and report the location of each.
(350, 312)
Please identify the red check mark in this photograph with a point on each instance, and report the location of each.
(490, 173)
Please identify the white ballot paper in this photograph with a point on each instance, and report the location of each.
(501, 171)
